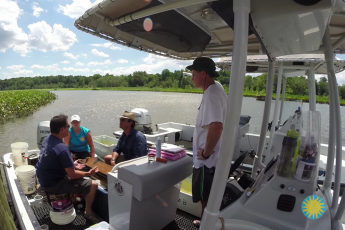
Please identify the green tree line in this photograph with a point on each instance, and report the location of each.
(166, 79)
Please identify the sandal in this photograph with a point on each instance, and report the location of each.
(93, 218)
(196, 223)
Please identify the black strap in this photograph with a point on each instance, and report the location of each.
(202, 154)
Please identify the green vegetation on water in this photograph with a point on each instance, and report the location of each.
(6, 219)
(22, 103)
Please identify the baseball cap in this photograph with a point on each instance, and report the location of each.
(128, 115)
(204, 64)
(75, 118)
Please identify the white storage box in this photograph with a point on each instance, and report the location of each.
(100, 226)
(104, 145)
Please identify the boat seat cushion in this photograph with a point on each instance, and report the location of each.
(244, 119)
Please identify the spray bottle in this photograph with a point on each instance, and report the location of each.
(158, 147)
(293, 133)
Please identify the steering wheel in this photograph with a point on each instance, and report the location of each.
(237, 163)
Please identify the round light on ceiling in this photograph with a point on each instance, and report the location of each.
(209, 15)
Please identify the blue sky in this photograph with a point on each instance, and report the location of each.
(38, 38)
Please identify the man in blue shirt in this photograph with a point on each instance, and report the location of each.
(55, 168)
(132, 143)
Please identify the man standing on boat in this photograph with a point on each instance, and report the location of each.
(132, 143)
(208, 129)
(56, 171)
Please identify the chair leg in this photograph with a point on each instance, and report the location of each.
(48, 197)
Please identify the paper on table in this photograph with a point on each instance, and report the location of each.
(171, 148)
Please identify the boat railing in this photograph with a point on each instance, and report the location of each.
(238, 67)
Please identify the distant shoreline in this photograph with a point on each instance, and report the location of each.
(288, 97)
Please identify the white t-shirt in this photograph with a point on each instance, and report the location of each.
(212, 109)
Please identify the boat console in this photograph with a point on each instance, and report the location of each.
(143, 195)
(287, 187)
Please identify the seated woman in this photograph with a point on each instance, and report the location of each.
(79, 140)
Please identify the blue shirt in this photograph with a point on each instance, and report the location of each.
(132, 146)
(54, 158)
(78, 143)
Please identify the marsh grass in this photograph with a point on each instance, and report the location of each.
(22, 103)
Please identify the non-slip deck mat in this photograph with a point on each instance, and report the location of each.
(183, 220)
(248, 160)
(79, 223)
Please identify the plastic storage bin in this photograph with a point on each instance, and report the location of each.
(104, 145)
(100, 226)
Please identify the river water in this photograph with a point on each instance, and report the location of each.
(99, 111)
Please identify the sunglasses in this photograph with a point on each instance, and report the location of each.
(67, 126)
(124, 119)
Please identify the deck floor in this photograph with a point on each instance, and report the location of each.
(183, 220)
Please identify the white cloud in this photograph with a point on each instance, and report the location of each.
(98, 71)
(53, 67)
(14, 67)
(71, 69)
(75, 57)
(79, 64)
(20, 73)
(70, 55)
(64, 62)
(44, 38)
(340, 78)
(152, 64)
(95, 63)
(41, 35)
(76, 9)
(37, 10)
(107, 45)
(122, 61)
(99, 53)
(37, 66)
(11, 35)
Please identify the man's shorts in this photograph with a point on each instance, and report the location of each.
(76, 186)
(202, 182)
(81, 155)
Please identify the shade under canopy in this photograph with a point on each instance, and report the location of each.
(185, 29)
(292, 63)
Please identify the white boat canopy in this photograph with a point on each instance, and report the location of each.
(293, 65)
(185, 29)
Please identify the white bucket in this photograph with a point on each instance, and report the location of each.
(62, 218)
(26, 175)
(20, 153)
